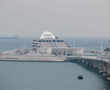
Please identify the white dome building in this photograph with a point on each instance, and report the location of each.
(49, 44)
(48, 39)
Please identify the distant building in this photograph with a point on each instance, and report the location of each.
(49, 44)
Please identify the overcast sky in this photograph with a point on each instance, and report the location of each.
(79, 18)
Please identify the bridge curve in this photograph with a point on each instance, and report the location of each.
(101, 65)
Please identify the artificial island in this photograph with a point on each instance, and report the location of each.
(48, 47)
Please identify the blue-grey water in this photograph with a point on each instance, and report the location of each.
(48, 76)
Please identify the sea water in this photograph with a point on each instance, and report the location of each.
(47, 76)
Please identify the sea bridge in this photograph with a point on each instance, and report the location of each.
(100, 64)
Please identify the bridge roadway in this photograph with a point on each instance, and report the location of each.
(100, 64)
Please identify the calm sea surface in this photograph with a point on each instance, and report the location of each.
(48, 76)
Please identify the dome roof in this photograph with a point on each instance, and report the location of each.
(47, 35)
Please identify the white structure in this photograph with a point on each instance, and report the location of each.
(47, 35)
(49, 44)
